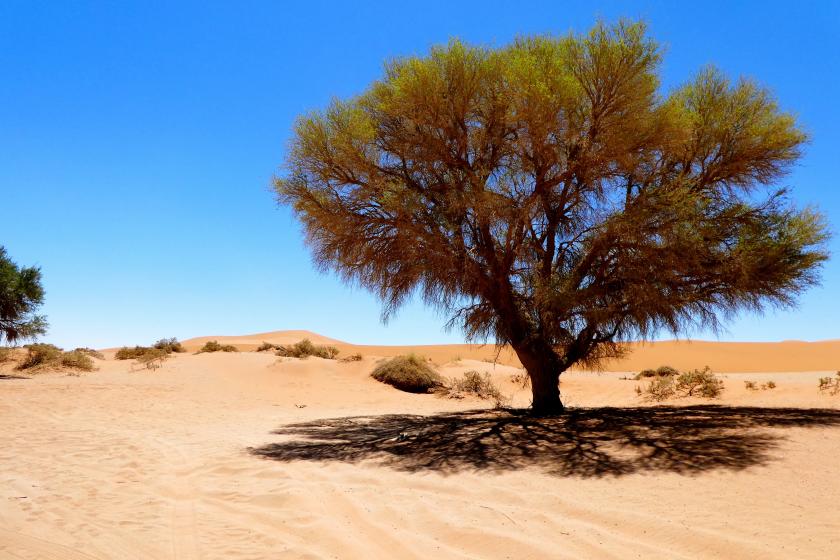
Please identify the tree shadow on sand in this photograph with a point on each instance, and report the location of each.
(583, 442)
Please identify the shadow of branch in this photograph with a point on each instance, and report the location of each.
(583, 442)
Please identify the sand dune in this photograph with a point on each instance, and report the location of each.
(247, 456)
(720, 356)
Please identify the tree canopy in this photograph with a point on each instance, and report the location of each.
(550, 196)
(20, 295)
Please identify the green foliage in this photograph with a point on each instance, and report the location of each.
(408, 373)
(169, 345)
(830, 385)
(41, 357)
(21, 294)
(552, 196)
(214, 346)
(699, 383)
(695, 383)
(305, 348)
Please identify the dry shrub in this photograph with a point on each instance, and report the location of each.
(214, 346)
(305, 348)
(169, 345)
(659, 389)
(661, 371)
(521, 378)
(6, 354)
(352, 358)
(153, 359)
(830, 385)
(696, 383)
(48, 356)
(267, 346)
(76, 360)
(753, 386)
(126, 353)
(91, 352)
(39, 356)
(408, 373)
(699, 383)
(473, 383)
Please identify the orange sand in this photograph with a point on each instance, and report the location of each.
(183, 462)
(720, 356)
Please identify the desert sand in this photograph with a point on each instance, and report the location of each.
(790, 355)
(249, 456)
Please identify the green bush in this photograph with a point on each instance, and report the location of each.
(214, 346)
(695, 383)
(305, 348)
(408, 373)
(169, 345)
(699, 383)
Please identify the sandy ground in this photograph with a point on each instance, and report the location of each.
(247, 456)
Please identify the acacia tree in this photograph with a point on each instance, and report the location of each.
(549, 196)
(20, 294)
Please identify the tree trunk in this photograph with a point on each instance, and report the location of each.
(543, 367)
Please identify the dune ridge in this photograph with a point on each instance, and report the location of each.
(725, 357)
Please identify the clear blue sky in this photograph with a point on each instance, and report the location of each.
(138, 142)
